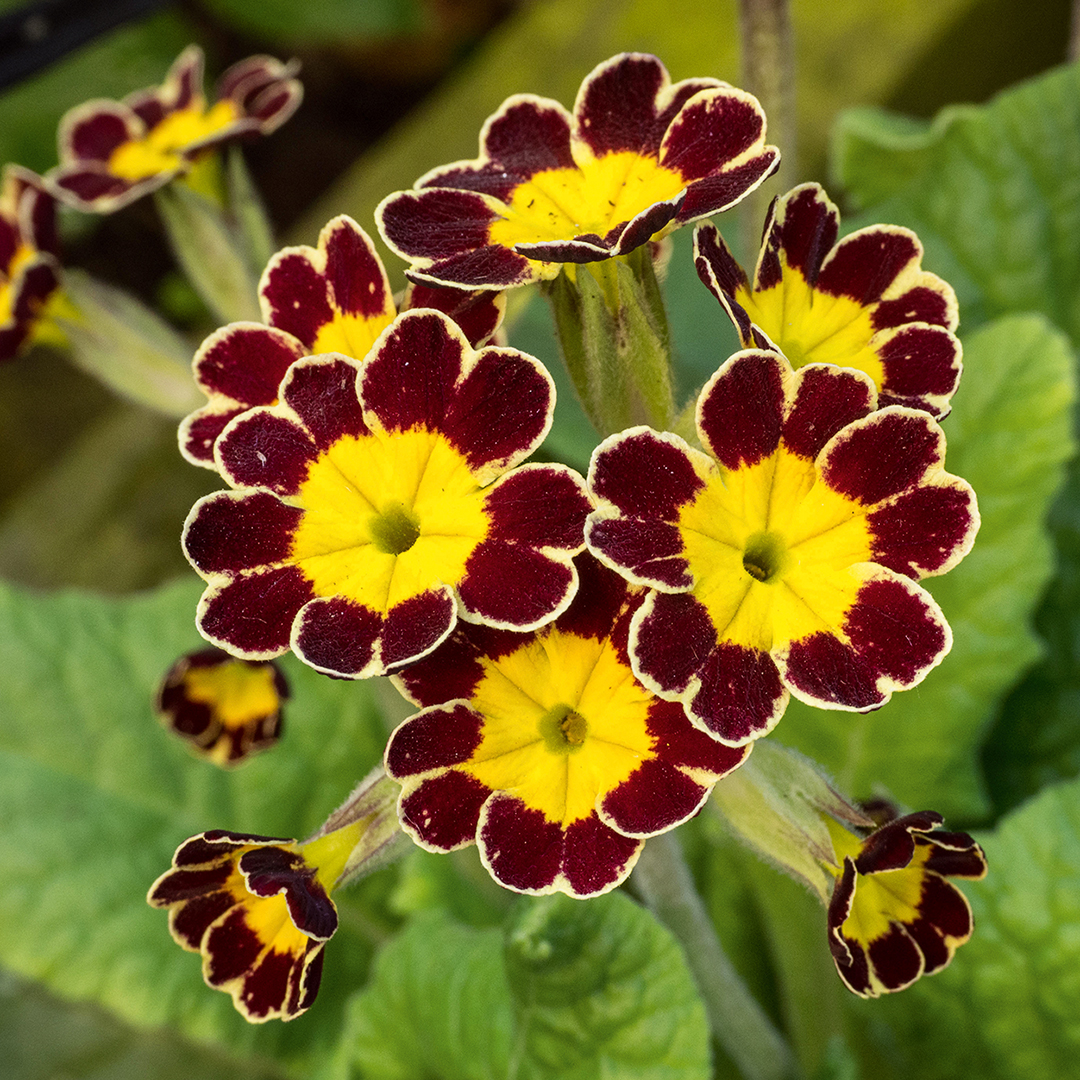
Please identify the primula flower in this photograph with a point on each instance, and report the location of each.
(785, 559)
(379, 501)
(637, 158)
(893, 917)
(864, 302)
(333, 298)
(258, 908)
(114, 152)
(29, 267)
(227, 709)
(546, 751)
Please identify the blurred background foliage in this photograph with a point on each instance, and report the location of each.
(93, 492)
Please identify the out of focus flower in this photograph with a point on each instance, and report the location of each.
(333, 298)
(637, 158)
(29, 264)
(114, 152)
(864, 302)
(227, 709)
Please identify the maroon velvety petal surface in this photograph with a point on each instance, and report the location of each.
(920, 304)
(670, 638)
(265, 449)
(681, 744)
(500, 410)
(246, 362)
(295, 296)
(884, 454)
(94, 136)
(644, 474)
(511, 585)
(526, 136)
(650, 550)
(723, 189)
(827, 399)
(920, 531)
(453, 669)
(711, 131)
(741, 409)
(617, 106)
(543, 506)
(741, 695)
(891, 847)
(231, 947)
(415, 626)
(896, 958)
(435, 738)
(338, 637)
(191, 921)
(943, 907)
(867, 262)
(322, 392)
(522, 849)
(596, 858)
(920, 360)
(445, 810)
(655, 797)
(805, 228)
(254, 614)
(91, 185)
(227, 533)
(479, 314)
(825, 669)
(409, 379)
(354, 271)
(436, 223)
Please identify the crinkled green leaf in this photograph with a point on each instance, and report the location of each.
(1006, 1008)
(95, 796)
(1009, 435)
(569, 989)
(991, 190)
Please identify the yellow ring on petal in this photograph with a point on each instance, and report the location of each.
(559, 204)
(361, 497)
(603, 714)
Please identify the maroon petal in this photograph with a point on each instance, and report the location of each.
(409, 379)
(826, 400)
(500, 412)
(526, 136)
(921, 364)
(616, 108)
(190, 922)
(670, 638)
(805, 224)
(596, 858)
(924, 530)
(515, 587)
(252, 616)
(885, 454)
(865, 263)
(654, 798)
(453, 670)
(741, 408)
(245, 362)
(716, 193)
(711, 131)
(543, 506)
(91, 189)
(479, 314)
(935, 305)
(435, 738)
(229, 532)
(519, 846)
(740, 696)
(295, 296)
(645, 474)
(722, 276)
(436, 223)
(415, 626)
(650, 552)
(264, 449)
(895, 958)
(92, 131)
(321, 390)
(338, 637)
(443, 813)
(943, 907)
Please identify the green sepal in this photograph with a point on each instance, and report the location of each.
(117, 339)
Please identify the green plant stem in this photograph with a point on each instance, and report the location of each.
(738, 1022)
(768, 72)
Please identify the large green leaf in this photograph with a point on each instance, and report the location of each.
(1010, 436)
(569, 990)
(1006, 1008)
(95, 796)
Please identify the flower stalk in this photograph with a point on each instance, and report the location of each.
(738, 1022)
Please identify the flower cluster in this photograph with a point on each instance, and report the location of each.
(114, 152)
(590, 658)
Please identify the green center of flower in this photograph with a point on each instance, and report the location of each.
(395, 530)
(765, 556)
(563, 729)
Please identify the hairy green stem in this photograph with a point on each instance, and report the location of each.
(738, 1022)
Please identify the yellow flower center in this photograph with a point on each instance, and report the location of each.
(565, 722)
(811, 327)
(159, 150)
(559, 204)
(387, 517)
(234, 690)
(351, 335)
(772, 551)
